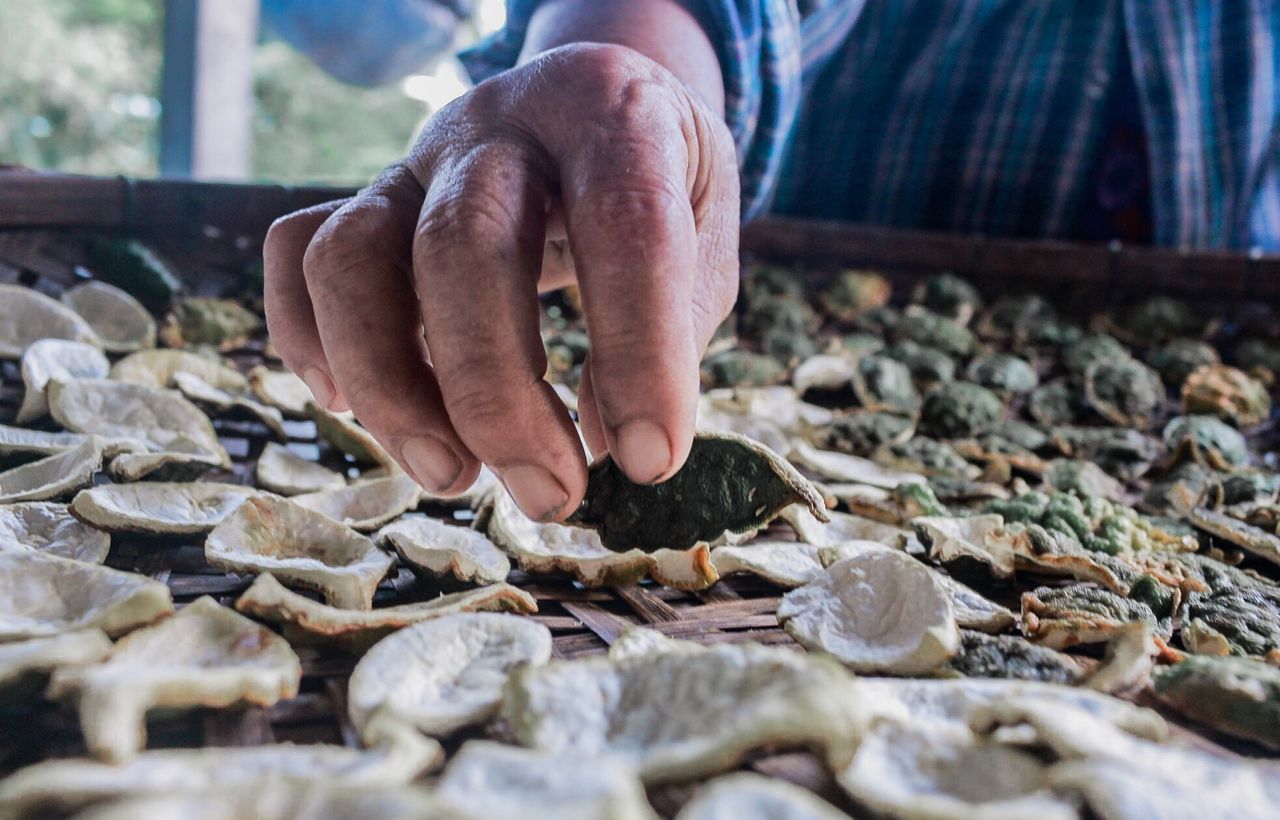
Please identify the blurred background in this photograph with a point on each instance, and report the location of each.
(226, 89)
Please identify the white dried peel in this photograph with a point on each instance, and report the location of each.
(441, 675)
(206, 655)
(159, 508)
(440, 549)
(27, 316)
(120, 321)
(49, 527)
(54, 475)
(283, 471)
(50, 359)
(269, 534)
(365, 505)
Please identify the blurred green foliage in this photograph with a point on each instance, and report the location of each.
(79, 81)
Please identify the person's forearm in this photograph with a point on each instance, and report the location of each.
(661, 30)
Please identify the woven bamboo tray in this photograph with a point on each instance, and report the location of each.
(210, 232)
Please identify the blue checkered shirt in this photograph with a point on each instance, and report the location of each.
(1083, 119)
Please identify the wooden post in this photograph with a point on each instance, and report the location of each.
(207, 88)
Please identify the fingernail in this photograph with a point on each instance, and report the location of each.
(432, 463)
(643, 450)
(535, 490)
(320, 385)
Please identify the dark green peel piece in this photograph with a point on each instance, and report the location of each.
(1011, 657)
(728, 483)
(1236, 696)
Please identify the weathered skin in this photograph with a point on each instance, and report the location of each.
(1236, 696)
(729, 483)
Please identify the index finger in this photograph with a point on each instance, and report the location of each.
(634, 241)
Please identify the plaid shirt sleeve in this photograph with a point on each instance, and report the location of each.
(758, 45)
(999, 116)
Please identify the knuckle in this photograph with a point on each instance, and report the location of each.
(476, 404)
(463, 219)
(635, 206)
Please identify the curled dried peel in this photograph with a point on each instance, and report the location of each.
(444, 674)
(679, 716)
(784, 563)
(1237, 696)
(282, 800)
(443, 549)
(159, 508)
(728, 484)
(345, 433)
(365, 505)
(206, 655)
(746, 795)
(268, 534)
(220, 401)
(43, 595)
(160, 420)
(32, 658)
(282, 471)
(556, 548)
(159, 368)
(54, 475)
(50, 359)
(836, 466)
(922, 771)
(67, 785)
(121, 322)
(27, 316)
(496, 780)
(20, 441)
(308, 621)
(881, 611)
(280, 389)
(50, 528)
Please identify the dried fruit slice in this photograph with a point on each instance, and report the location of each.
(639, 640)
(1062, 617)
(201, 320)
(24, 661)
(841, 527)
(556, 548)
(283, 800)
(445, 549)
(441, 675)
(50, 359)
(728, 484)
(1255, 540)
(281, 389)
(746, 795)
(63, 786)
(1227, 393)
(52, 476)
(951, 703)
(1237, 696)
(161, 420)
(1124, 391)
(206, 655)
(158, 368)
(1013, 658)
(496, 780)
(973, 611)
(825, 371)
(159, 508)
(20, 441)
(680, 716)
(308, 621)
(198, 390)
(268, 534)
(784, 563)
(27, 316)
(881, 611)
(915, 770)
(345, 433)
(120, 321)
(129, 467)
(50, 528)
(283, 471)
(1241, 620)
(365, 505)
(1128, 662)
(953, 539)
(43, 595)
(836, 466)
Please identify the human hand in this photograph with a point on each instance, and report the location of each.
(415, 303)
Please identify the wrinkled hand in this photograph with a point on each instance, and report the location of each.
(415, 303)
